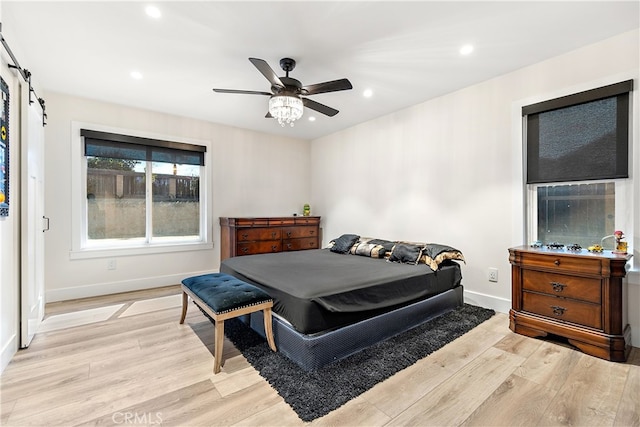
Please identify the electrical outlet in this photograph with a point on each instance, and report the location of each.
(111, 264)
(492, 274)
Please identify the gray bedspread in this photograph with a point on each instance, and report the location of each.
(318, 290)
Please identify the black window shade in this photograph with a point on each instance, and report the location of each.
(579, 137)
(116, 146)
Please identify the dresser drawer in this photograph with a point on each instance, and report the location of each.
(562, 263)
(281, 221)
(251, 234)
(261, 247)
(299, 244)
(249, 222)
(304, 220)
(299, 231)
(567, 310)
(562, 285)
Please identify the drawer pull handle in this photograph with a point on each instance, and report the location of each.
(557, 310)
(556, 262)
(288, 234)
(245, 236)
(245, 250)
(273, 234)
(558, 287)
(274, 248)
(311, 232)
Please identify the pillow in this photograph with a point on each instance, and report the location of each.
(434, 254)
(374, 248)
(405, 253)
(386, 244)
(343, 243)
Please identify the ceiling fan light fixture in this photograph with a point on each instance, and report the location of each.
(285, 108)
(285, 102)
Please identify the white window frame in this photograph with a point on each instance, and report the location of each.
(81, 248)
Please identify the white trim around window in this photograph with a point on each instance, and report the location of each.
(79, 247)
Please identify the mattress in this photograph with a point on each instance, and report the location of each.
(318, 290)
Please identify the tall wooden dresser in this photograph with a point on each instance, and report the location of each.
(247, 236)
(573, 294)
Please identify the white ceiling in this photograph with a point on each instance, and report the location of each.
(406, 52)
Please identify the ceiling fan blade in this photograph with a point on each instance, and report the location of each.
(320, 108)
(332, 86)
(247, 92)
(266, 71)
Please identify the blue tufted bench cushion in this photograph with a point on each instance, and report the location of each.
(220, 297)
(224, 293)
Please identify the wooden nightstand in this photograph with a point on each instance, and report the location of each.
(574, 294)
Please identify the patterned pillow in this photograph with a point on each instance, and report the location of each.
(434, 254)
(374, 248)
(343, 243)
(405, 253)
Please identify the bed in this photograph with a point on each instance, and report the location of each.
(331, 303)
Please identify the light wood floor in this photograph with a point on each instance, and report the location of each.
(140, 367)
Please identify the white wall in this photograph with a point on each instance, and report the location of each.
(450, 170)
(251, 174)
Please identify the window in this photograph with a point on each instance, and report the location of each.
(577, 162)
(141, 191)
(575, 213)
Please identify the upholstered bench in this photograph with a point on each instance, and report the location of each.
(223, 297)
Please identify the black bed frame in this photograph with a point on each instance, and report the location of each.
(315, 351)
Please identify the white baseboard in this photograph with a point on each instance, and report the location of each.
(501, 305)
(8, 351)
(99, 289)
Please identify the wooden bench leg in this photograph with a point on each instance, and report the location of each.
(268, 328)
(185, 304)
(219, 318)
(219, 343)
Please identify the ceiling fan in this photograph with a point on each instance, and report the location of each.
(286, 102)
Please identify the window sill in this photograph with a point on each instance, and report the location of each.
(109, 252)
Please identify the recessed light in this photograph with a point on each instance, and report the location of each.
(153, 12)
(466, 49)
(312, 118)
(136, 75)
(368, 93)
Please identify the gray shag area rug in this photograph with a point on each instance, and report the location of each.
(312, 394)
